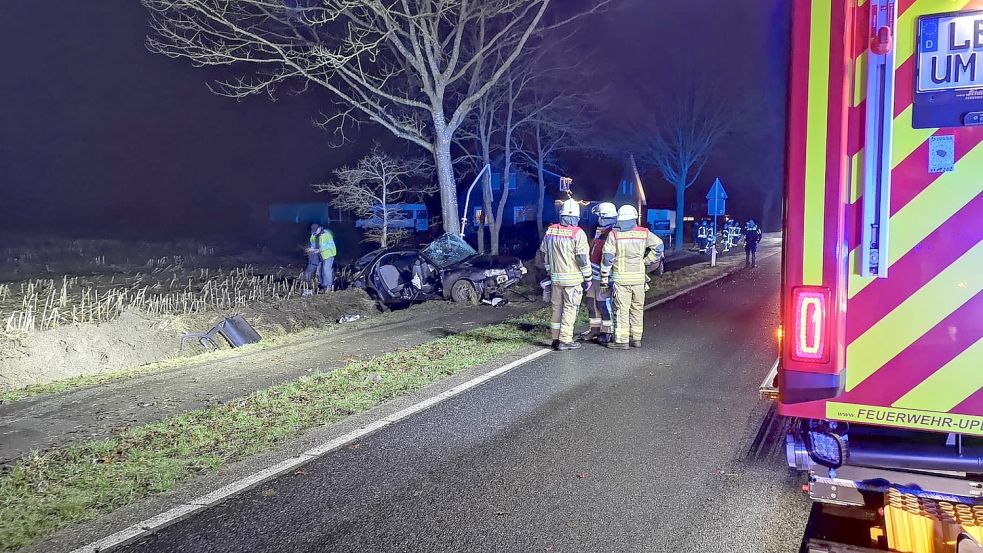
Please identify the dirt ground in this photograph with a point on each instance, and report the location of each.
(134, 339)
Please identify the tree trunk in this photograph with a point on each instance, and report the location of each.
(541, 204)
(540, 162)
(494, 230)
(446, 181)
(385, 227)
(486, 196)
(680, 206)
(384, 205)
(481, 237)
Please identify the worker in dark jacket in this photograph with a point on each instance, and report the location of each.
(752, 235)
(600, 304)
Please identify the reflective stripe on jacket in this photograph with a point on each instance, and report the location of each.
(626, 253)
(324, 244)
(597, 251)
(566, 252)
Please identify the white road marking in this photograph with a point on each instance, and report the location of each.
(163, 520)
(154, 524)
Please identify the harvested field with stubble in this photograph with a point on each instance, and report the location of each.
(106, 313)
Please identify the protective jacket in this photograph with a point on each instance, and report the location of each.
(597, 251)
(323, 242)
(566, 254)
(752, 235)
(627, 252)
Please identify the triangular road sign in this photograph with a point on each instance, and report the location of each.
(717, 191)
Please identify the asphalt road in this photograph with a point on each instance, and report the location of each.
(667, 448)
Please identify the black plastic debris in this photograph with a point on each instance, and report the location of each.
(236, 331)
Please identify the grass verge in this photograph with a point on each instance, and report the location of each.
(45, 492)
(48, 491)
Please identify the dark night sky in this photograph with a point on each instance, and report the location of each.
(100, 137)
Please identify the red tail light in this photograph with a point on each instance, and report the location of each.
(809, 339)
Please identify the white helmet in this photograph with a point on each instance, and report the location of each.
(627, 213)
(606, 210)
(570, 209)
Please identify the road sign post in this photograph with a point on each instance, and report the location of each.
(716, 206)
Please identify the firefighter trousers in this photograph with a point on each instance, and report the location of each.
(629, 312)
(566, 304)
(599, 308)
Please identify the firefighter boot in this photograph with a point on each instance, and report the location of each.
(618, 345)
(567, 346)
(635, 343)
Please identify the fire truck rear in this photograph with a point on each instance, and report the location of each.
(881, 364)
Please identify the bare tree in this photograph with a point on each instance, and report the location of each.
(491, 133)
(415, 67)
(374, 187)
(527, 115)
(558, 123)
(477, 139)
(680, 136)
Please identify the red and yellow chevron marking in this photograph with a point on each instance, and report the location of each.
(912, 342)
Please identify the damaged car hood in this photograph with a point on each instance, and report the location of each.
(488, 262)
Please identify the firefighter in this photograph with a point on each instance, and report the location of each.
(701, 235)
(733, 234)
(321, 252)
(628, 250)
(566, 255)
(599, 305)
(725, 231)
(752, 235)
(711, 240)
(738, 231)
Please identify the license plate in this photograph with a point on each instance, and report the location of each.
(950, 51)
(501, 279)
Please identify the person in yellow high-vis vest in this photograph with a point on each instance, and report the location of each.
(628, 251)
(321, 252)
(565, 253)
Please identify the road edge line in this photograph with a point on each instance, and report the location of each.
(153, 524)
(176, 514)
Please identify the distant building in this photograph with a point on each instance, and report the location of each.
(412, 217)
(521, 205)
(630, 190)
(662, 222)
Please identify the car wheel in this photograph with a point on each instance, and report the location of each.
(464, 291)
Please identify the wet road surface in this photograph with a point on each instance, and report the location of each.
(664, 448)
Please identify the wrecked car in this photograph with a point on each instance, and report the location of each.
(448, 268)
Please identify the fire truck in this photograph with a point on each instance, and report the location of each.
(881, 358)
